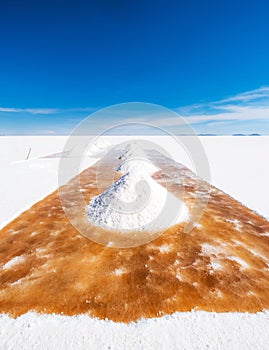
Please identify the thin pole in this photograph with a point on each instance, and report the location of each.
(28, 153)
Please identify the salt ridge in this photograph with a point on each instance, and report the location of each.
(135, 160)
(136, 202)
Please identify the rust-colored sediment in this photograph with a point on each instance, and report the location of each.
(222, 265)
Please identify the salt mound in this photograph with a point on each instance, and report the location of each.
(132, 150)
(98, 146)
(101, 144)
(135, 160)
(136, 202)
(139, 165)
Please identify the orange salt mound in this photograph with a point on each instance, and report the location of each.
(221, 265)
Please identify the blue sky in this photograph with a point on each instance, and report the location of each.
(62, 60)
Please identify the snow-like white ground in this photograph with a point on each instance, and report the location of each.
(238, 166)
(24, 182)
(186, 330)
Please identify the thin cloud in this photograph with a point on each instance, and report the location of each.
(45, 110)
(248, 96)
(29, 110)
(248, 106)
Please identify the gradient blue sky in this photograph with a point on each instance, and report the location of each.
(61, 60)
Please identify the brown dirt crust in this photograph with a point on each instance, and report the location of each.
(222, 265)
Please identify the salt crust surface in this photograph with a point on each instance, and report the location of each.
(187, 330)
(39, 176)
(190, 330)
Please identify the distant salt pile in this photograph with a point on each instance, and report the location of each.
(136, 202)
(98, 146)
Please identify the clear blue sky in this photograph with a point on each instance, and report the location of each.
(61, 60)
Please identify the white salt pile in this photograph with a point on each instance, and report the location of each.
(136, 202)
(98, 147)
(135, 160)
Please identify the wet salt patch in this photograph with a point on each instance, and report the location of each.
(208, 249)
(164, 248)
(90, 185)
(79, 285)
(16, 282)
(14, 232)
(201, 193)
(241, 262)
(196, 262)
(191, 194)
(214, 265)
(90, 259)
(259, 255)
(23, 280)
(217, 293)
(176, 262)
(198, 226)
(251, 293)
(119, 271)
(252, 251)
(40, 250)
(34, 233)
(13, 262)
(218, 218)
(55, 233)
(42, 253)
(266, 234)
(237, 224)
(236, 242)
(179, 276)
(212, 190)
